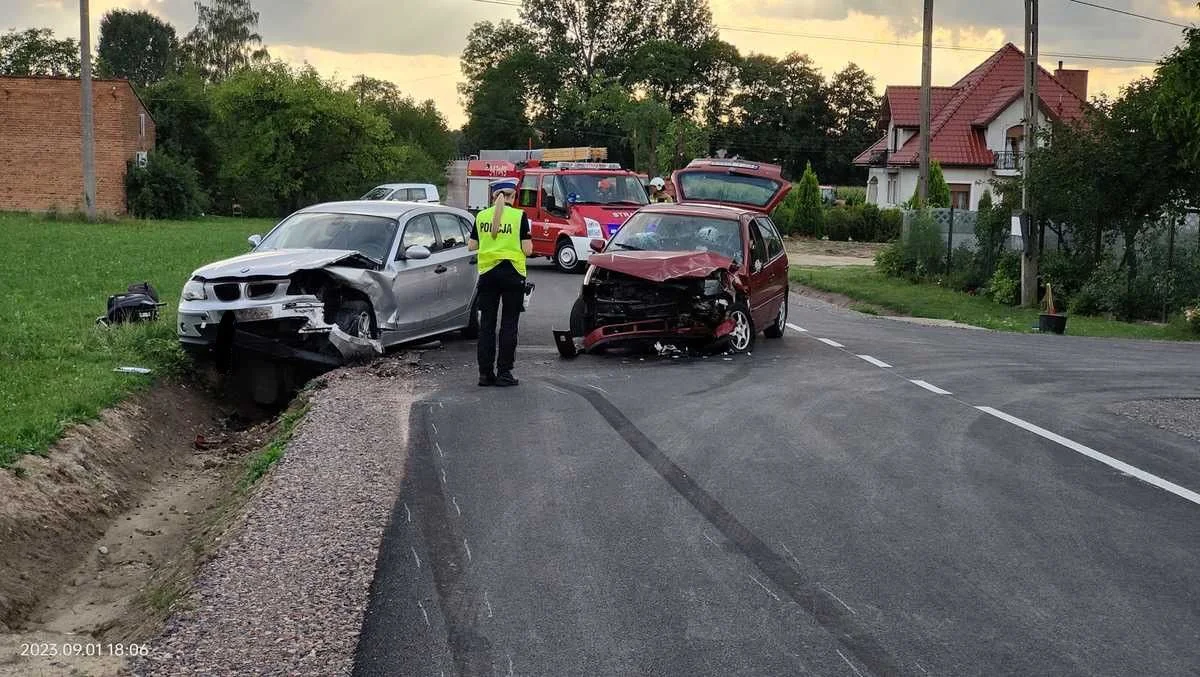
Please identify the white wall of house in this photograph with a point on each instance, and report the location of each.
(997, 131)
(905, 184)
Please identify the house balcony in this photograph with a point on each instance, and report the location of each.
(1008, 163)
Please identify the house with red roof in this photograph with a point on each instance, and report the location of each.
(977, 129)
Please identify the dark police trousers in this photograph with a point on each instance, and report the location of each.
(501, 285)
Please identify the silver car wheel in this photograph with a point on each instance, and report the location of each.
(739, 338)
(567, 259)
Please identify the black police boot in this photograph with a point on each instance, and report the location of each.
(487, 380)
(506, 379)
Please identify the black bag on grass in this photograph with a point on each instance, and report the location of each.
(139, 304)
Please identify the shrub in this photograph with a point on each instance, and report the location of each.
(1004, 287)
(810, 212)
(891, 224)
(890, 260)
(784, 215)
(839, 223)
(923, 248)
(939, 190)
(851, 195)
(166, 188)
(966, 272)
(1191, 316)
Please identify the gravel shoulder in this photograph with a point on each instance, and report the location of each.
(285, 594)
(1180, 416)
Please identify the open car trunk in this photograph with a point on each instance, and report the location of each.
(737, 183)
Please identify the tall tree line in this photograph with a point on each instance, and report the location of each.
(652, 81)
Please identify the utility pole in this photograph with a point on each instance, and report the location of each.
(926, 102)
(1029, 253)
(85, 108)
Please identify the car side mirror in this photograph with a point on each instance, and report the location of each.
(597, 245)
(417, 253)
(254, 240)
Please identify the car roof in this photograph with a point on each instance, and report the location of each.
(393, 209)
(699, 209)
(394, 186)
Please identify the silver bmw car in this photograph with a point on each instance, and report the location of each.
(336, 280)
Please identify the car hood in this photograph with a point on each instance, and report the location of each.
(282, 262)
(661, 266)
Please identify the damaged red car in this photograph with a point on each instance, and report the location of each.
(708, 272)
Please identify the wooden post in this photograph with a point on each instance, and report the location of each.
(926, 103)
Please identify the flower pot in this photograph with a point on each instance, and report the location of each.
(1053, 323)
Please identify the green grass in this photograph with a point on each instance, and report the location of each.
(865, 285)
(262, 461)
(56, 365)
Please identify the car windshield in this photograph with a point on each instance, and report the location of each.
(726, 187)
(679, 232)
(603, 189)
(370, 235)
(377, 193)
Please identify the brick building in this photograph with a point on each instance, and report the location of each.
(41, 165)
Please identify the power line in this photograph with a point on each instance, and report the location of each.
(1132, 14)
(896, 43)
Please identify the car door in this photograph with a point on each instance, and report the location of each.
(417, 284)
(458, 276)
(777, 264)
(762, 283)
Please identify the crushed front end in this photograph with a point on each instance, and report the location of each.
(616, 308)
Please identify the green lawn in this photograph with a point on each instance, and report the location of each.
(56, 365)
(865, 285)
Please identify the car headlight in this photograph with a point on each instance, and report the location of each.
(194, 291)
(593, 229)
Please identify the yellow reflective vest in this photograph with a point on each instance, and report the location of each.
(504, 247)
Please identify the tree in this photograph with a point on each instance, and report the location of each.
(136, 45)
(288, 138)
(593, 39)
(683, 141)
(810, 212)
(181, 105)
(939, 190)
(496, 113)
(225, 38)
(1176, 107)
(855, 109)
(420, 124)
(779, 113)
(991, 232)
(35, 51)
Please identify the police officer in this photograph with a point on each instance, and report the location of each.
(502, 237)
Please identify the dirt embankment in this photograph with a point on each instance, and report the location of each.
(100, 535)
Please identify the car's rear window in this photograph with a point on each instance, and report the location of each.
(725, 187)
(370, 235)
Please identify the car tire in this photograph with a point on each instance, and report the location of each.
(578, 323)
(741, 339)
(471, 331)
(565, 258)
(354, 316)
(777, 328)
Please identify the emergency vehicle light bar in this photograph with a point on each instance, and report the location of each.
(588, 165)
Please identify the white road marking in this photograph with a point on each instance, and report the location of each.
(415, 556)
(710, 540)
(839, 600)
(878, 363)
(439, 448)
(441, 404)
(930, 387)
(407, 512)
(510, 666)
(468, 549)
(831, 342)
(1155, 480)
(599, 389)
(547, 386)
(454, 500)
(769, 591)
(423, 612)
(487, 603)
(796, 327)
(849, 663)
(443, 475)
(435, 430)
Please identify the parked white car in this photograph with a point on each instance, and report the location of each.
(404, 192)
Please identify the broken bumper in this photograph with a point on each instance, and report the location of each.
(653, 329)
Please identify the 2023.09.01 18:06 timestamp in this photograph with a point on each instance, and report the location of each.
(97, 649)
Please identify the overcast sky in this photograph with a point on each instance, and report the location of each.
(416, 43)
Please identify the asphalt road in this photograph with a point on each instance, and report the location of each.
(799, 511)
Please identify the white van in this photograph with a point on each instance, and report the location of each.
(404, 192)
